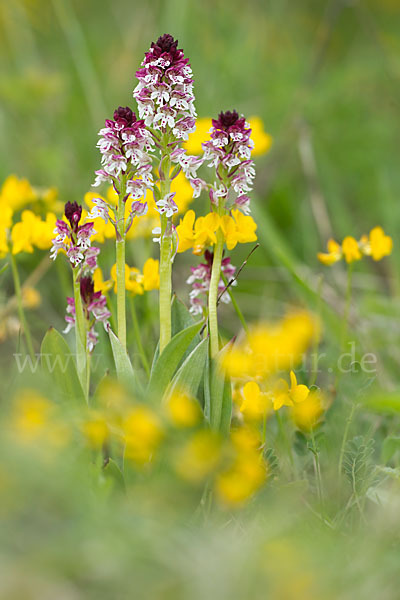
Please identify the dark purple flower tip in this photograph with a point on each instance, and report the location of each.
(125, 116)
(73, 212)
(87, 289)
(229, 119)
(165, 43)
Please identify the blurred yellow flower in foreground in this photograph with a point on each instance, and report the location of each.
(30, 297)
(256, 403)
(96, 431)
(143, 434)
(199, 456)
(377, 245)
(183, 410)
(262, 140)
(246, 472)
(34, 420)
(271, 347)
(307, 414)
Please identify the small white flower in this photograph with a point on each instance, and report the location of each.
(167, 205)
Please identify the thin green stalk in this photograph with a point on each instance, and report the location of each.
(80, 333)
(165, 262)
(284, 437)
(138, 338)
(317, 467)
(235, 304)
(345, 436)
(21, 312)
(346, 314)
(120, 263)
(213, 294)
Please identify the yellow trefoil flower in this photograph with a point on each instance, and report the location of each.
(282, 395)
(256, 404)
(380, 244)
(350, 249)
(377, 245)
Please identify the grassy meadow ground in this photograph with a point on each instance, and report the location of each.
(324, 77)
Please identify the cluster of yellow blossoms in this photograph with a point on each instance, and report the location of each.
(201, 232)
(255, 361)
(136, 282)
(31, 231)
(377, 245)
(142, 435)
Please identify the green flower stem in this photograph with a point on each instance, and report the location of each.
(80, 333)
(213, 294)
(21, 313)
(345, 436)
(165, 263)
(120, 262)
(138, 338)
(346, 314)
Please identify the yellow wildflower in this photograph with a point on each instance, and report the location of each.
(99, 284)
(143, 434)
(21, 233)
(334, 253)
(351, 250)
(16, 193)
(245, 476)
(199, 456)
(133, 279)
(185, 231)
(205, 230)
(282, 395)
(183, 192)
(381, 244)
(256, 404)
(151, 274)
(183, 410)
(5, 224)
(30, 297)
(307, 414)
(96, 431)
(271, 347)
(34, 420)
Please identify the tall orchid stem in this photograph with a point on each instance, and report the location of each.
(21, 312)
(120, 262)
(165, 262)
(80, 333)
(213, 294)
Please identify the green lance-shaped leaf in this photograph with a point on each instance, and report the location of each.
(168, 362)
(191, 371)
(123, 365)
(58, 361)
